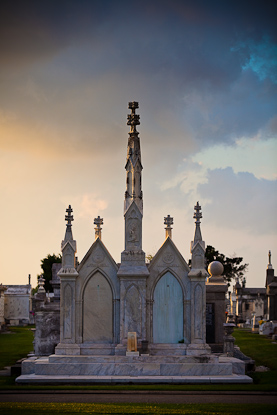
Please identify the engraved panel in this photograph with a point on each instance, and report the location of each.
(198, 312)
(98, 310)
(133, 311)
(67, 322)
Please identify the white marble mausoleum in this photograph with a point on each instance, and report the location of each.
(161, 303)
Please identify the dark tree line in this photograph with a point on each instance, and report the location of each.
(46, 266)
(233, 267)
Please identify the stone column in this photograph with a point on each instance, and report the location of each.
(216, 289)
(197, 277)
(68, 274)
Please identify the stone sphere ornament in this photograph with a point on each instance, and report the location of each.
(215, 269)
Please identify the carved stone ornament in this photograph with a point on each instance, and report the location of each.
(168, 257)
(98, 256)
(133, 234)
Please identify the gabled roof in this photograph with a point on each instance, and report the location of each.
(133, 205)
(168, 242)
(96, 243)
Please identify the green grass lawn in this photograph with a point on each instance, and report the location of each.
(15, 344)
(189, 409)
(258, 347)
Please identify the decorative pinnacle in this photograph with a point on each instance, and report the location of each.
(98, 222)
(269, 260)
(133, 118)
(168, 221)
(69, 218)
(197, 214)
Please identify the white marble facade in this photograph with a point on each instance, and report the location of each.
(163, 301)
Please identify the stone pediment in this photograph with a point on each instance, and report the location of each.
(168, 256)
(97, 256)
(197, 244)
(133, 211)
(70, 243)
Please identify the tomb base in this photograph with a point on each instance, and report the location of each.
(134, 369)
(198, 349)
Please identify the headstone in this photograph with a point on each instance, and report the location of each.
(132, 344)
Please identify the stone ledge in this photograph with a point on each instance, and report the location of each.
(44, 379)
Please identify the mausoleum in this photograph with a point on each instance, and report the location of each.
(134, 321)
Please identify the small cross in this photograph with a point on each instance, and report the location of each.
(98, 222)
(69, 217)
(133, 118)
(168, 221)
(197, 214)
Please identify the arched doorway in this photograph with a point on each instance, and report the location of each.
(168, 319)
(98, 310)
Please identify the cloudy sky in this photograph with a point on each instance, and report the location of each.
(205, 75)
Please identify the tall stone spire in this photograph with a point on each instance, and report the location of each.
(69, 218)
(197, 215)
(133, 163)
(68, 244)
(197, 247)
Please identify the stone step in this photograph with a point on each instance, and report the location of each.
(58, 379)
(132, 369)
(133, 359)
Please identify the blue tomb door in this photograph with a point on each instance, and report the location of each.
(168, 309)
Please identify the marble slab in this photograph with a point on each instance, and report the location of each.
(42, 379)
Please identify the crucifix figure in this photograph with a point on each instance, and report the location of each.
(98, 222)
(168, 221)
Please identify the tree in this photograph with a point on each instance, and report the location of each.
(233, 267)
(46, 265)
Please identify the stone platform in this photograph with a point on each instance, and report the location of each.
(136, 369)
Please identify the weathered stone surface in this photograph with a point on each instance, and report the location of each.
(17, 304)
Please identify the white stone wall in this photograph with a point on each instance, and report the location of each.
(17, 304)
(2, 298)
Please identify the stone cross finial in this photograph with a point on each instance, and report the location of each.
(69, 218)
(98, 222)
(197, 214)
(269, 260)
(133, 118)
(168, 221)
